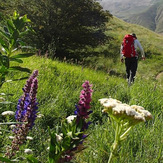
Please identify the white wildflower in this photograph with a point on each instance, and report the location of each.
(2, 99)
(121, 109)
(28, 151)
(12, 126)
(109, 103)
(3, 49)
(3, 94)
(139, 117)
(29, 138)
(69, 133)
(48, 148)
(124, 109)
(40, 115)
(0, 133)
(71, 118)
(11, 137)
(59, 137)
(142, 111)
(6, 113)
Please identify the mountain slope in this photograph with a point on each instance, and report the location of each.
(124, 8)
(148, 13)
(151, 18)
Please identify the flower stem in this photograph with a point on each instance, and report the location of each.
(123, 136)
(116, 141)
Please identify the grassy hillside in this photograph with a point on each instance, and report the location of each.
(151, 42)
(60, 85)
(58, 92)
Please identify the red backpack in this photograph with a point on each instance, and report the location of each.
(128, 49)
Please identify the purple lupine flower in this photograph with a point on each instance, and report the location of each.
(26, 112)
(82, 111)
(27, 105)
(84, 102)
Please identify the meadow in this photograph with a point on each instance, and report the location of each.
(59, 86)
(58, 92)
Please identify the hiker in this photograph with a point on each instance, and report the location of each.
(128, 52)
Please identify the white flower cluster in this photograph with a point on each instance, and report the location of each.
(28, 151)
(123, 111)
(71, 118)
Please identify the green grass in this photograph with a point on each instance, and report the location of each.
(58, 92)
(59, 89)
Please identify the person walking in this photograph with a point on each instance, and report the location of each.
(128, 52)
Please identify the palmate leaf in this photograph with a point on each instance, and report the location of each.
(23, 55)
(18, 68)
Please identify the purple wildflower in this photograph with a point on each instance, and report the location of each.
(82, 111)
(84, 102)
(26, 112)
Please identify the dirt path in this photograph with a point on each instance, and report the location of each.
(159, 75)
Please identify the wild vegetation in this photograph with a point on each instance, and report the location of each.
(59, 87)
(63, 28)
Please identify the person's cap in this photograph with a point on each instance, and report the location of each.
(134, 35)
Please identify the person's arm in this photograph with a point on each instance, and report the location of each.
(141, 49)
(121, 54)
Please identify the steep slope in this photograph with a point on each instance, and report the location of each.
(123, 8)
(148, 13)
(151, 18)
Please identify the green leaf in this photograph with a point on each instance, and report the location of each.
(3, 43)
(5, 159)
(23, 55)
(18, 68)
(32, 159)
(10, 26)
(4, 34)
(21, 78)
(16, 60)
(6, 102)
(3, 70)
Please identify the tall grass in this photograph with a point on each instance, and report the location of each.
(58, 92)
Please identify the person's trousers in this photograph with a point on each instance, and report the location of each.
(131, 67)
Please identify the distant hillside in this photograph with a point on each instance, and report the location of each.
(151, 42)
(124, 8)
(148, 13)
(152, 18)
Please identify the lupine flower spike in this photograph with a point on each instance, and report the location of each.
(79, 119)
(26, 113)
(82, 109)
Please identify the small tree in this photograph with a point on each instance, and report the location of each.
(11, 34)
(65, 28)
